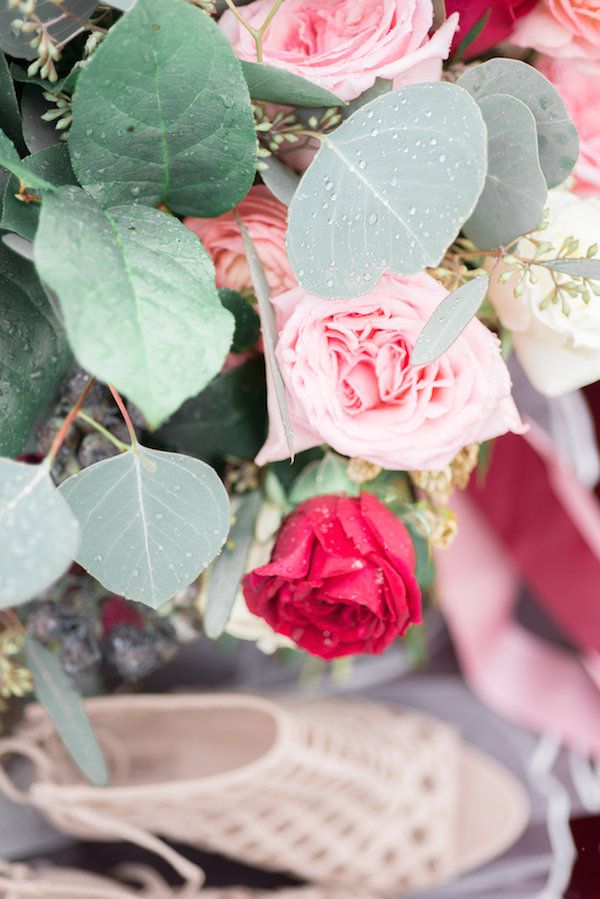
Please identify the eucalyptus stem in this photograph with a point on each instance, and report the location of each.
(257, 33)
(122, 447)
(123, 410)
(64, 428)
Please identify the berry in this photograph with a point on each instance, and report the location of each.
(95, 448)
(116, 611)
(79, 650)
(50, 621)
(136, 652)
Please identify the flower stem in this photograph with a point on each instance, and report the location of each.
(259, 33)
(64, 428)
(123, 410)
(122, 447)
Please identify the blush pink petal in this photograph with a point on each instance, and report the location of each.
(398, 417)
(562, 29)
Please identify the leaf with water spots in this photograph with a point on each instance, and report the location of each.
(449, 321)
(138, 295)
(162, 113)
(513, 198)
(557, 136)
(388, 190)
(150, 521)
(11, 161)
(38, 532)
(64, 706)
(578, 268)
(273, 84)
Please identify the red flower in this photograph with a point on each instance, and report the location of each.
(341, 578)
(500, 25)
(116, 611)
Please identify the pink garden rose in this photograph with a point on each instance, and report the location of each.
(266, 220)
(345, 364)
(580, 89)
(344, 46)
(568, 29)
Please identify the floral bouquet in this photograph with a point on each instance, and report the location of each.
(263, 265)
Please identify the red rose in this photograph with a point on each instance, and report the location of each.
(341, 579)
(500, 25)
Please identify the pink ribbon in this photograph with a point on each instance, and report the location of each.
(531, 522)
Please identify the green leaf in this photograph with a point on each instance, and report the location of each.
(513, 198)
(227, 570)
(388, 190)
(65, 707)
(38, 134)
(9, 108)
(54, 165)
(581, 268)
(270, 331)
(247, 322)
(425, 568)
(162, 113)
(472, 35)
(34, 355)
(557, 136)
(449, 321)
(280, 179)
(10, 160)
(150, 522)
(63, 27)
(275, 85)
(329, 475)
(229, 417)
(138, 295)
(381, 87)
(38, 532)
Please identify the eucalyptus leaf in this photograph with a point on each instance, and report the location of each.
(150, 521)
(388, 190)
(270, 332)
(247, 322)
(449, 321)
(9, 108)
(38, 133)
(22, 246)
(34, 355)
(276, 85)
(280, 179)
(581, 268)
(63, 28)
(328, 475)
(38, 532)
(65, 707)
(10, 160)
(513, 198)
(138, 296)
(229, 417)
(54, 165)
(557, 136)
(226, 572)
(162, 113)
(378, 89)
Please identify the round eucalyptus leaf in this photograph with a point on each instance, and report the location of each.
(150, 521)
(388, 190)
(162, 113)
(513, 198)
(557, 136)
(38, 532)
(137, 291)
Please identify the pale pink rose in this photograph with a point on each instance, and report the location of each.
(344, 45)
(562, 28)
(345, 364)
(266, 221)
(580, 89)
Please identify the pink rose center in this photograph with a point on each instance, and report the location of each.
(318, 27)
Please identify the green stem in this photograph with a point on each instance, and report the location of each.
(259, 33)
(122, 447)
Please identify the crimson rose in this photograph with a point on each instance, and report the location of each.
(500, 25)
(341, 579)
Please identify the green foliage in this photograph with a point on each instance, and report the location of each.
(63, 703)
(227, 570)
(9, 108)
(389, 189)
(449, 321)
(33, 351)
(229, 417)
(38, 532)
(10, 160)
(276, 85)
(52, 164)
(150, 521)
(513, 198)
(328, 475)
(162, 114)
(247, 322)
(140, 305)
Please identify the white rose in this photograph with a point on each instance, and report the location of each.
(559, 353)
